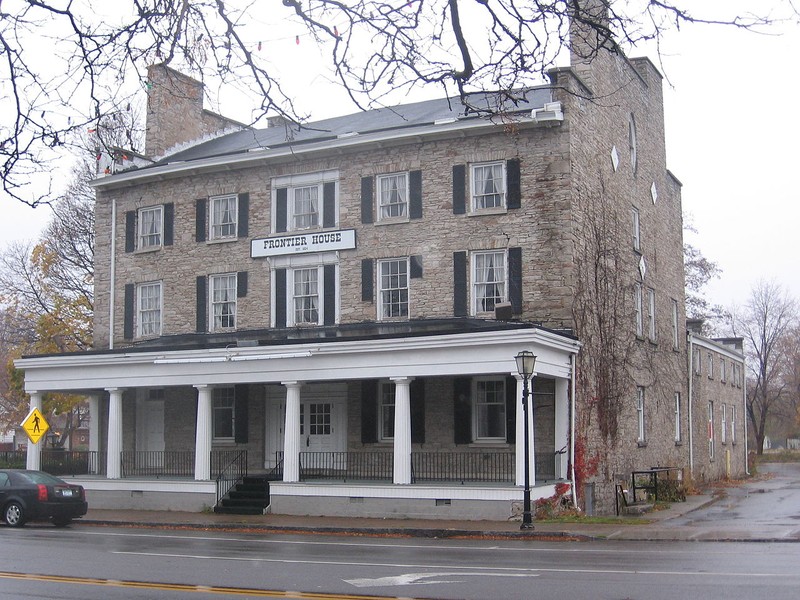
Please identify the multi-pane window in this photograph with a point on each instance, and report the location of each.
(733, 424)
(393, 284)
(393, 196)
(224, 217)
(488, 186)
(637, 305)
(151, 226)
(722, 370)
(724, 425)
(698, 361)
(677, 416)
(489, 280)
(632, 145)
(710, 366)
(490, 413)
(641, 434)
(223, 419)
(637, 240)
(305, 296)
(319, 418)
(305, 207)
(149, 309)
(223, 301)
(675, 325)
(711, 430)
(651, 314)
(386, 411)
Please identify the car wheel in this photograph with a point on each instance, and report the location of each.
(14, 514)
(61, 522)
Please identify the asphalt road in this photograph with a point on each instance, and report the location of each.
(88, 563)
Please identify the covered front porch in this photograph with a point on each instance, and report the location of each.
(387, 424)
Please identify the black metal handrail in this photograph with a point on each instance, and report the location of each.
(231, 467)
(463, 467)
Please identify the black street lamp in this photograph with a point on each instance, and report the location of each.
(526, 361)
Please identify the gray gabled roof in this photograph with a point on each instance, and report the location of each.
(403, 117)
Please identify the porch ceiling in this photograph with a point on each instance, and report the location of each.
(472, 351)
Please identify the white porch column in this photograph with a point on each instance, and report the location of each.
(114, 446)
(520, 433)
(203, 434)
(94, 433)
(33, 459)
(291, 435)
(402, 430)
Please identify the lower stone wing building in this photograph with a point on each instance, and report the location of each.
(337, 307)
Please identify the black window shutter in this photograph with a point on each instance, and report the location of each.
(417, 392)
(367, 200)
(128, 318)
(367, 288)
(416, 266)
(415, 195)
(459, 189)
(329, 204)
(513, 186)
(200, 220)
(202, 300)
(462, 410)
(511, 409)
(280, 298)
(243, 225)
(169, 223)
(369, 411)
(241, 394)
(515, 279)
(241, 284)
(329, 290)
(281, 210)
(130, 231)
(460, 284)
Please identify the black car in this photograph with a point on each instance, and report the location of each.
(38, 496)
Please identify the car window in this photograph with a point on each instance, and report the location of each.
(40, 477)
(4, 480)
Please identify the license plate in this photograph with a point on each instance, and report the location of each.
(66, 492)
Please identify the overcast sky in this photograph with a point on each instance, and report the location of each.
(732, 130)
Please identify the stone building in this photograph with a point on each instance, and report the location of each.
(339, 305)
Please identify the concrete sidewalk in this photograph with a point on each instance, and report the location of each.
(650, 526)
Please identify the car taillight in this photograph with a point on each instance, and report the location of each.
(42, 492)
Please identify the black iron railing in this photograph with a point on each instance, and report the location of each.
(346, 466)
(56, 461)
(13, 459)
(157, 463)
(463, 467)
(230, 467)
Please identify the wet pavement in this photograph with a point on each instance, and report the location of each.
(766, 508)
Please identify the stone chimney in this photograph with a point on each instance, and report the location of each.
(589, 34)
(175, 113)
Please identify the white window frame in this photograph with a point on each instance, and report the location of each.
(724, 425)
(480, 282)
(386, 408)
(218, 302)
(223, 401)
(677, 417)
(698, 361)
(641, 432)
(632, 145)
(153, 239)
(218, 228)
(711, 430)
(722, 370)
(651, 314)
(733, 424)
(392, 199)
(315, 216)
(637, 306)
(637, 232)
(675, 329)
(477, 197)
(293, 296)
(145, 306)
(483, 404)
(710, 365)
(394, 294)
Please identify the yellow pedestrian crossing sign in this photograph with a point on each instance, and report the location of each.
(35, 425)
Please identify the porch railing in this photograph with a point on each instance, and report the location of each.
(463, 467)
(230, 468)
(347, 466)
(58, 462)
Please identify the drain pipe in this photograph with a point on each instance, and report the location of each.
(112, 274)
(745, 416)
(690, 340)
(572, 430)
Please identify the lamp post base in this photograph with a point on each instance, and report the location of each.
(526, 525)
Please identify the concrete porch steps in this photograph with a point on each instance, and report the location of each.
(248, 497)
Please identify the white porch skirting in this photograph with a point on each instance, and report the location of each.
(141, 494)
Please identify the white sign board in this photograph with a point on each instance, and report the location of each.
(303, 243)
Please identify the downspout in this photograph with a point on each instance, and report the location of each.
(572, 430)
(690, 339)
(112, 274)
(745, 416)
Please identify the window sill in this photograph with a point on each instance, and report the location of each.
(482, 212)
(489, 444)
(148, 250)
(224, 240)
(392, 221)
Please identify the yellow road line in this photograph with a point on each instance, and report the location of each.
(178, 587)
